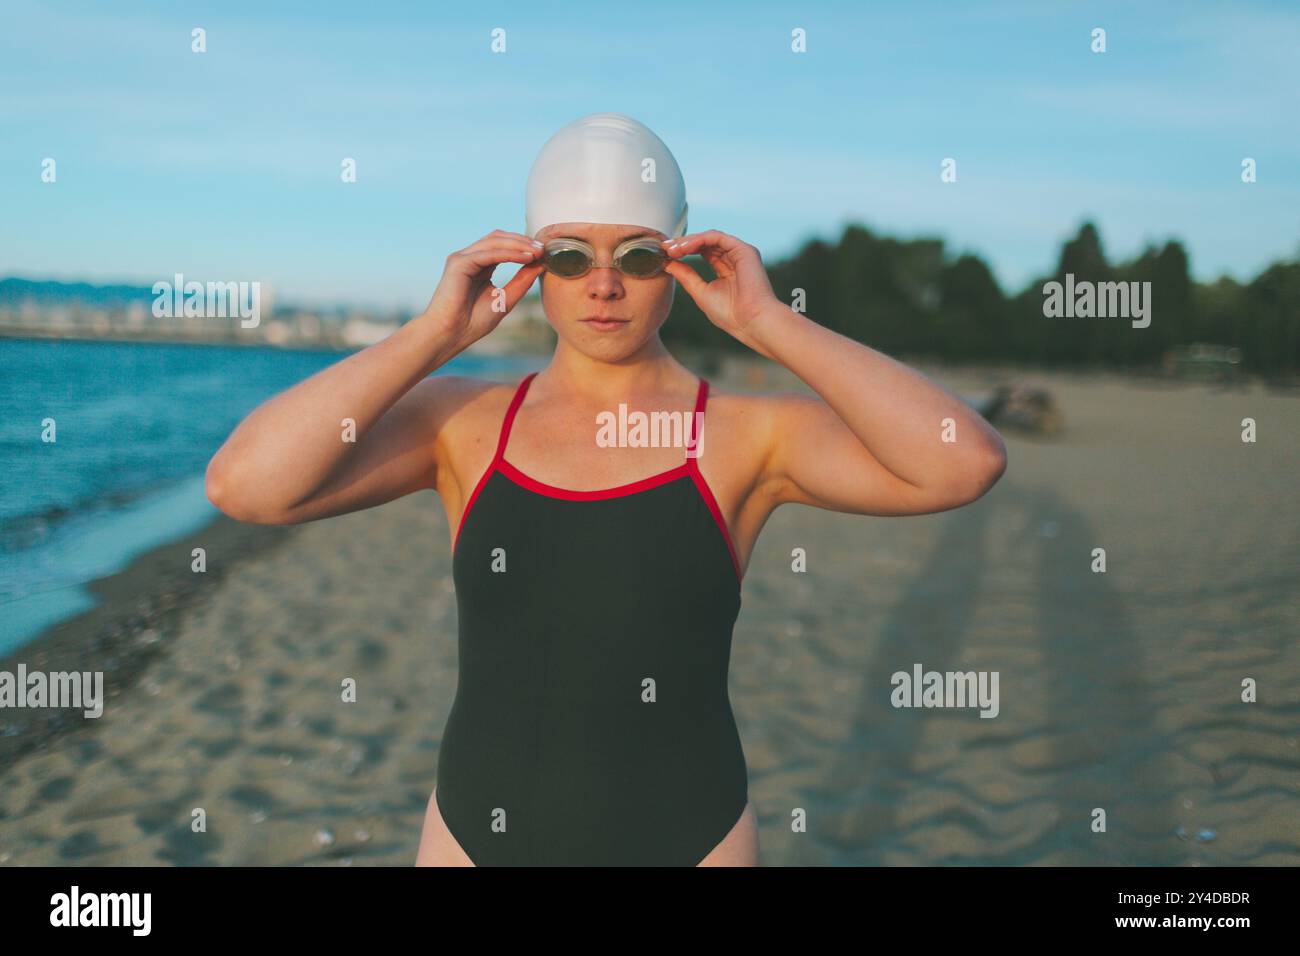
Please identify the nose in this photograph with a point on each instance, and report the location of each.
(604, 282)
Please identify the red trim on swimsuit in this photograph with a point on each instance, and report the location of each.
(689, 467)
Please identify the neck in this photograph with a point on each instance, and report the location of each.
(650, 369)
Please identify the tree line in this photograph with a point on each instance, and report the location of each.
(912, 298)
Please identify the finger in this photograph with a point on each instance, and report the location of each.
(504, 234)
(475, 259)
(688, 277)
(520, 282)
(515, 242)
(717, 249)
(694, 242)
(719, 261)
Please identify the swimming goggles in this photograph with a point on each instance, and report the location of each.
(641, 258)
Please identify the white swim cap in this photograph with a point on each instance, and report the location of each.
(592, 171)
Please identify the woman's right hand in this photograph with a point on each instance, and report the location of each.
(466, 305)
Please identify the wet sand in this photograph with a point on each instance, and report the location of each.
(1118, 691)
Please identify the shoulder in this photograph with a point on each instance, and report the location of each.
(451, 399)
(752, 427)
(762, 416)
(462, 417)
(449, 410)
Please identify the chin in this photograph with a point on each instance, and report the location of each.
(598, 346)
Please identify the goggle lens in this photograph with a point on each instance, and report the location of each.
(642, 262)
(568, 262)
(568, 258)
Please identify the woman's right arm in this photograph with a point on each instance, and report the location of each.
(363, 431)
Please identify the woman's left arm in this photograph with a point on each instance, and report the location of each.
(883, 439)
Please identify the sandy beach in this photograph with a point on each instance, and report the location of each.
(1118, 690)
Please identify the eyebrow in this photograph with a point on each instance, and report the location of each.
(618, 241)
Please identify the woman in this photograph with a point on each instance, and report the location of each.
(597, 585)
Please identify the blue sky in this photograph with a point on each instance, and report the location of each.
(225, 165)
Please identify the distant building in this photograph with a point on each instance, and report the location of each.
(360, 332)
(126, 313)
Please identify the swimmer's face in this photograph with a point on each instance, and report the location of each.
(642, 304)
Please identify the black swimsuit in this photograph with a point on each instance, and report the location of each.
(591, 724)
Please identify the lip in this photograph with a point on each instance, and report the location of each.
(604, 323)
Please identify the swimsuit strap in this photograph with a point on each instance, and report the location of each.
(701, 399)
(510, 416)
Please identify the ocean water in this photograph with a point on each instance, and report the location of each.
(134, 426)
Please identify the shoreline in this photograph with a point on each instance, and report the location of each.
(137, 609)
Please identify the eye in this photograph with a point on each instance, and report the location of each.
(567, 262)
(642, 260)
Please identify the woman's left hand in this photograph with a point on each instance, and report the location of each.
(741, 292)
